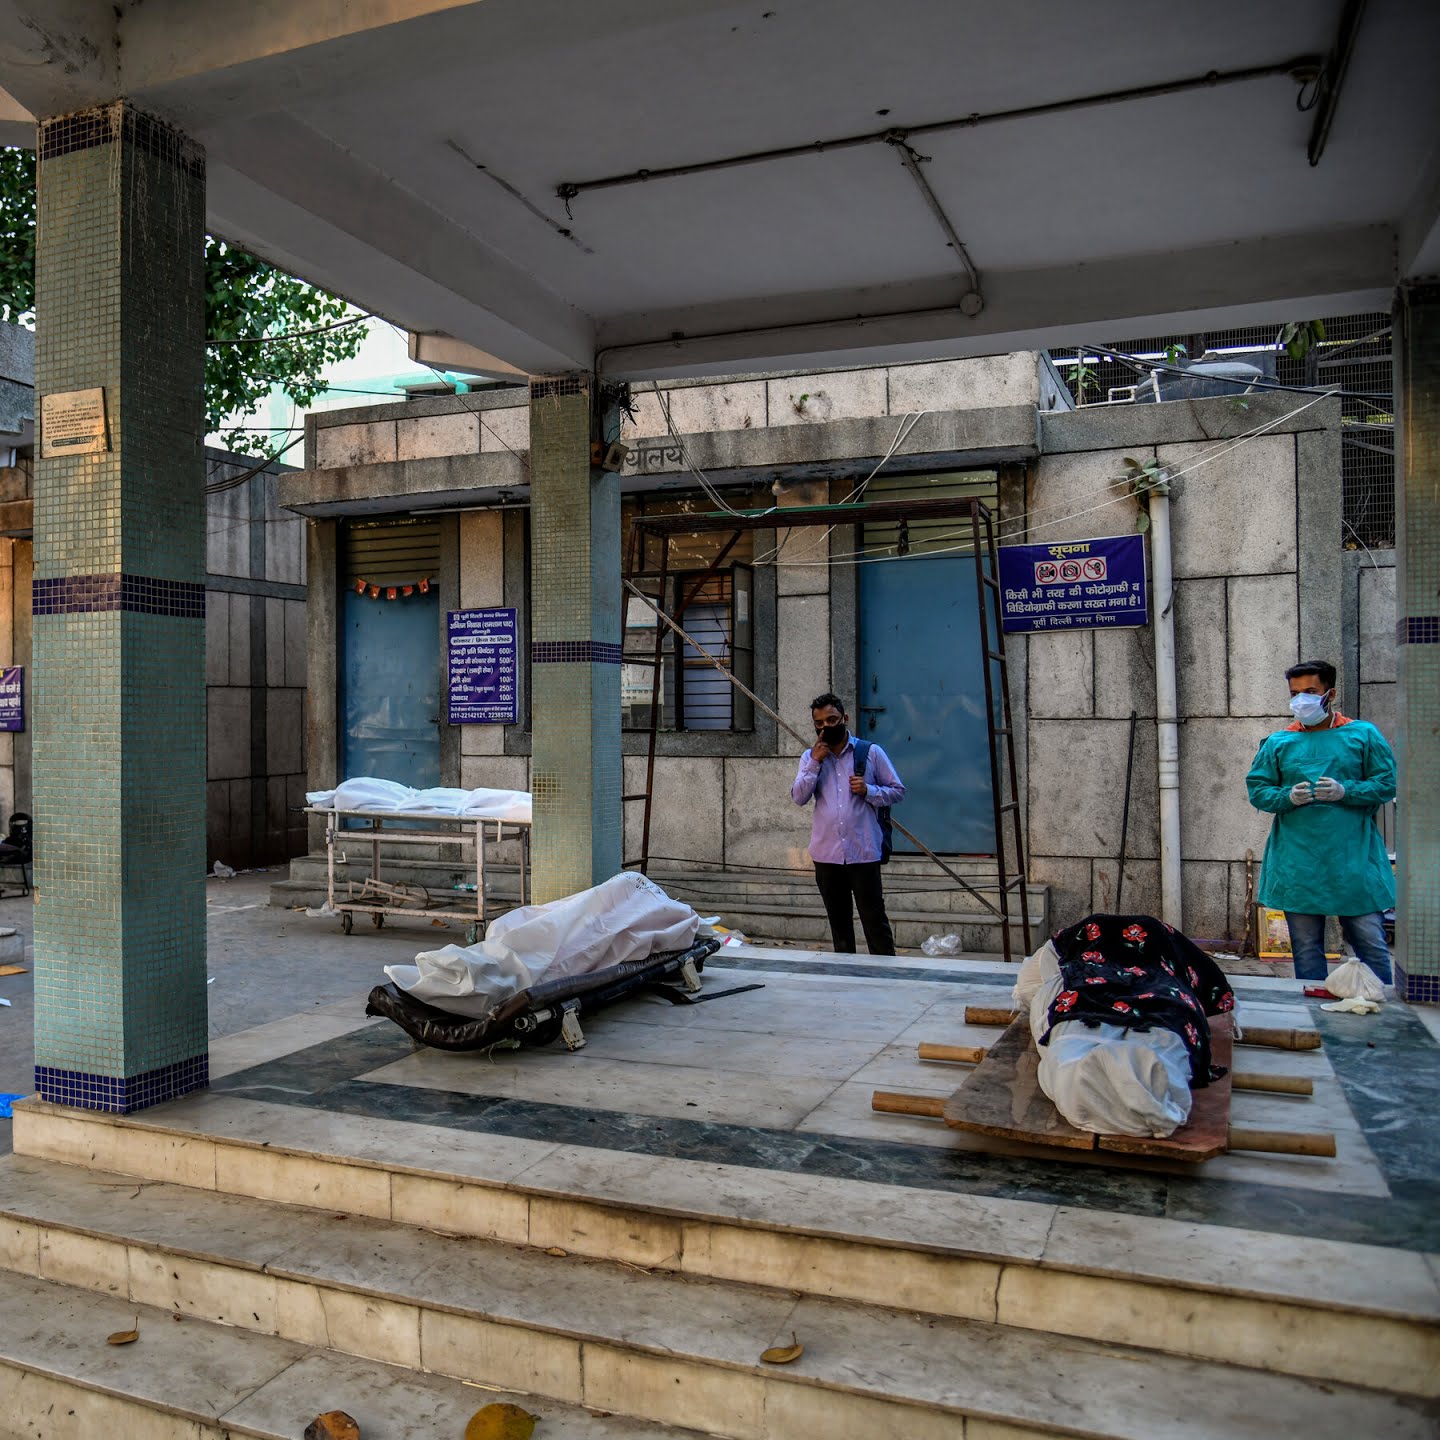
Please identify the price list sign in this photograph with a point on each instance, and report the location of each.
(483, 660)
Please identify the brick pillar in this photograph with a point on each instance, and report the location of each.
(119, 616)
(575, 644)
(1417, 637)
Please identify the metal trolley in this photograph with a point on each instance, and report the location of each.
(378, 898)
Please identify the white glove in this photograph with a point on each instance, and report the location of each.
(1329, 790)
(1301, 793)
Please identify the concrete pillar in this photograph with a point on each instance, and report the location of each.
(574, 645)
(119, 615)
(1417, 636)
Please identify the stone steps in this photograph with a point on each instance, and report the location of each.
(656, 1346)
(199, 1380)
(1184, 1293)
(766, 905)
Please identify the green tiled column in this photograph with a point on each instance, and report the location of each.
(119, 616)
(1417, 637)
(575, 644)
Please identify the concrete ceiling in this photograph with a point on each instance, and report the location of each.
(408, 155)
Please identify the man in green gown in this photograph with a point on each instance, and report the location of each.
(1324, 778)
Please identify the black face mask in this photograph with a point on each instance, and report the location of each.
(834, 736)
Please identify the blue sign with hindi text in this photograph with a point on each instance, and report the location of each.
(12, 698)
(1074, 585)
(483, 663)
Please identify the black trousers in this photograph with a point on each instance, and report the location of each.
(838, 886)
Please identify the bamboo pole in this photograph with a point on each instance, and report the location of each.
(1279, 1039)
(988, 1015)
(893, 1103)
(1281, 1142)
(958, 1054)
(1272, 1084)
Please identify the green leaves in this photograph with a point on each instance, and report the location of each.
(1300, 337)
(1146, 478)
(244, 298)
(17, 225)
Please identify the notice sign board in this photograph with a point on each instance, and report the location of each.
(482, 661)
(1074, 585)
(12, 698)
(72, 422)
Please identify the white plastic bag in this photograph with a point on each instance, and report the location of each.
(1354, 979)
(941, 945)
(629, 917)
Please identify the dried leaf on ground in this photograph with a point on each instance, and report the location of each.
(123, 1337)
(333, 1425)
(13, 970)
(500, 1422)
(555, 1250)
(784, 1354)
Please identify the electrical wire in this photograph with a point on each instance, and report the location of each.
(1021, 523)
(907, 425)
(291, 334)
(1148, 367)
(705, 482)
(470, 409)
(235, 481)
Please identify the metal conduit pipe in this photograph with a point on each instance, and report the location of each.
(1166, 707)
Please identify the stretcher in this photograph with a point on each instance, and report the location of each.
(551, 1009)
(1002, 1098)
(378, 898)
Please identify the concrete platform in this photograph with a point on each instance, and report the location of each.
(626, 1227)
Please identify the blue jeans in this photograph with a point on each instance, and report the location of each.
(1365, 934)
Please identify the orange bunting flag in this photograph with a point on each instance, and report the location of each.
(425, 587)
(390, 593)
(360, 586)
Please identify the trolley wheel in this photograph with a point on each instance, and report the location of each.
(378, 919)
(347, 921)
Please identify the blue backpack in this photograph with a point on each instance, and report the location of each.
(862, 756)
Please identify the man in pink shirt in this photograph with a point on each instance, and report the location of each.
(851, 782)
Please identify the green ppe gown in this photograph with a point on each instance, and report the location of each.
(1327, 857)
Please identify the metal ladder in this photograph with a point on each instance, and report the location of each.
(996, 671)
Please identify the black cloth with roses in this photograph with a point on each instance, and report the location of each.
(1136, 971)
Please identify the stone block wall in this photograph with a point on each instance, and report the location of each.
(255, 664)
(1255, 522)
(1258, 565)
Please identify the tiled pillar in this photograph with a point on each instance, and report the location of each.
(1417, 596)
(119, 617)
(575, 644)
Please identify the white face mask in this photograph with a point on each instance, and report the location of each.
(1308, 709)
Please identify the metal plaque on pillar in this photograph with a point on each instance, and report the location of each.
(72, 422)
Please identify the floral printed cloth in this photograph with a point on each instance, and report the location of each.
(1136, 971)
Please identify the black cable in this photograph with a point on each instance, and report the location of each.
(235, 481)
(1147, 367)
(291, 334)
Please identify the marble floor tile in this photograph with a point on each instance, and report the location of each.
(245, 1048)
(774, 1053)
(687, 1091)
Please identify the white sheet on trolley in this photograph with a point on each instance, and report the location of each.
(627, 918)
(386, 797)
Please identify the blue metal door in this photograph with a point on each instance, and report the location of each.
(922, 697)
(390, 689)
